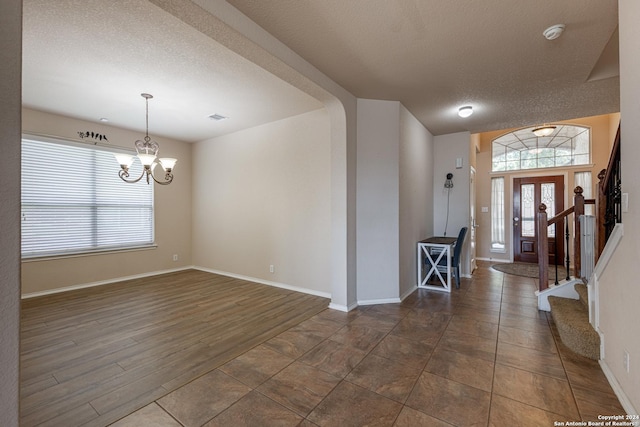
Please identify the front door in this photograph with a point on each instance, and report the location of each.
(528, 194)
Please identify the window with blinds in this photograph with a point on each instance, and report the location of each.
(73, 201)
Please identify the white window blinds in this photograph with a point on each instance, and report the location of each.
(74, 202)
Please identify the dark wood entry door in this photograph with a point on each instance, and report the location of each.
(528, 194)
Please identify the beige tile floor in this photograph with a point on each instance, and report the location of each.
(482, 355)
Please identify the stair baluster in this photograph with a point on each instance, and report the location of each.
(566, 234)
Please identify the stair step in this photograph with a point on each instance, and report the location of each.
(572, 320)
(582, 291)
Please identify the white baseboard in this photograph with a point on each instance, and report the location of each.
(493, 260)
(341, 307)
(266, 282)
(622, 397)
(389, 300)
(102, 282)
(379, 301)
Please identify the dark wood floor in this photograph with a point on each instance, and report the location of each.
(92, 356)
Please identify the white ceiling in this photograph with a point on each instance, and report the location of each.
(92, 59)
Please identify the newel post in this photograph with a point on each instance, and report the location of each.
(578, 209)
(543, 248)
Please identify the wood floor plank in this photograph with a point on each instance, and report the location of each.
(91, 356)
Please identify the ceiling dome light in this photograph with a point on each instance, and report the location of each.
(553, 32)
(545, 130)
(465, 111)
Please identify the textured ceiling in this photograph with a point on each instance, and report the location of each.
(435, 55)
(92, 59)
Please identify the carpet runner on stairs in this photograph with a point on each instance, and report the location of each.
(572, 320)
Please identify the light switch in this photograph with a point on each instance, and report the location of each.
(459, 163)
(484, 209)
(625, 202)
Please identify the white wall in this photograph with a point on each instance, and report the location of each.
(378, 200)
(10, 88)
(447, 148)
(172, 214)
(619, 289)
(262, 197)
(416, 194)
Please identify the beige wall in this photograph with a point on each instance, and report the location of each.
(10, 88)
(416, 194)
(602, 128)
(172, 216)
(262, 197)
(395, 188)
(448, 148)
(474, 149)
(240, 34)
(618, 285)
(378, 200)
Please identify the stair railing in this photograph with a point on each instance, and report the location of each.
(608, 213)
(609, 202)
(543, 242)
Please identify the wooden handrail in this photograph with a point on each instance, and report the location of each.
(559, 217)
(569, 211)
(610, 166)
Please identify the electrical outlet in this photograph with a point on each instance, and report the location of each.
(625, 361)
(175, 257)
(271, 269)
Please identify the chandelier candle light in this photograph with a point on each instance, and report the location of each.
(147, 153)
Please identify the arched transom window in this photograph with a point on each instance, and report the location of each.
(566, 145)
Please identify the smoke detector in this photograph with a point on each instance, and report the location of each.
(553, 32)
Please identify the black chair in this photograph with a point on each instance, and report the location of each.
(455, 259)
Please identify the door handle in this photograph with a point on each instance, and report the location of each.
(516, 221)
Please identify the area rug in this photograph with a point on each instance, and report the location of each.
(529, 270)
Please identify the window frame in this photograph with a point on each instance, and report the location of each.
(518, 150)
(97, 208)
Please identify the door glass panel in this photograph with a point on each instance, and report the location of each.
(547, 196)
(527, 210)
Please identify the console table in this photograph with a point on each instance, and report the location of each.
(431, 252)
